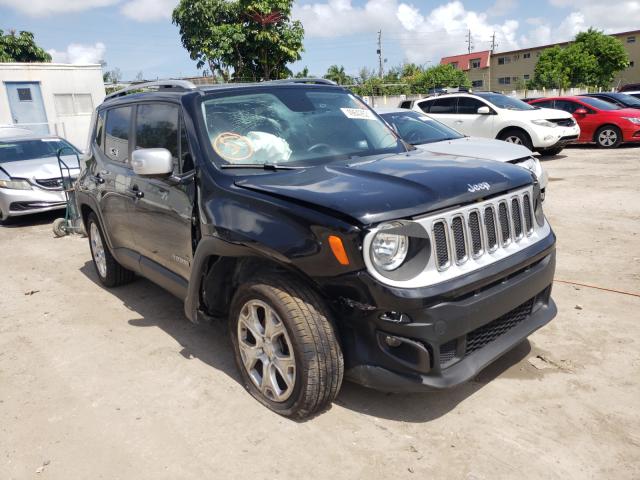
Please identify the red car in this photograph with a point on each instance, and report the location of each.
(601, 122)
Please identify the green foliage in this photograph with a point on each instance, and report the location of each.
(592, 59)
(304, 73)
(438, 77)
(337, 74)
(21, 48)
(249, 39)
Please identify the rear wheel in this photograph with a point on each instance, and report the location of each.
(110, 272)
(550, 152)
(285, 346)
(60, 227)
(516, 136)
(608, 136)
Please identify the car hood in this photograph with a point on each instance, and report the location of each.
(391, 187)
(544, 114)
(39, 168)
(479, 148)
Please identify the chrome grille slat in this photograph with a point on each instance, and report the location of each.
(526, 206)
(459, 239)
(516, 215)
(505, 226)
(441, 243)
(475, 233)
(490, 228)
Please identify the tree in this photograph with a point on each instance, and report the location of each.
(21, 48)
(249, 39)
(337, 74)
(304, 73)
(609, 52)
(439, 76)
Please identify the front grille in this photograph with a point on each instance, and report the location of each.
(490, 226)
(54, 183)
(448, 351)
(564, 122)
(476, 235)
(457, 227)
(24, 206)
(505, 228)
(526, 204)
(480, 337)
(517, 219)
(442, 250)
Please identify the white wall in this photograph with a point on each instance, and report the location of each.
(56, 78)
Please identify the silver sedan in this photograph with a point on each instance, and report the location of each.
(30, 177)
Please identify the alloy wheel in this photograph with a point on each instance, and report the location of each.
(266, 350)
(513, 139)
(608, 138)
(97, 248)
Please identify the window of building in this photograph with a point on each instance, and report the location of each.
(514, 79)
(474, 63)
(632, 64)
(516, 58)
(24, 95)
(526, 77)
(526, 55)
(73, 103)
(469, 106)
(477, 83)
(454, 64)
(504, 80)
(157, 127)
(631, 39)
(504, 60)
(116, 140)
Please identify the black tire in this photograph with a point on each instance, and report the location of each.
(550, 152)
(516, 136)
(319, 365)
(115, 274)
(605, 134)
(60, 227)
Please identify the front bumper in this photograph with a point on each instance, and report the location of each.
(14, 203)
(456, 328)
(555, 137)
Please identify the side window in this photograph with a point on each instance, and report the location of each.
(469, 106)
(186, 159)
(425, 106)
(444, 105)
(157, 127)
(116, 140)
(567, 106)
(99, 129)
(544, 104)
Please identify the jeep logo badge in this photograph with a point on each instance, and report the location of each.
(478, 186)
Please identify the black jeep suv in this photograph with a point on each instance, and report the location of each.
(332, 247)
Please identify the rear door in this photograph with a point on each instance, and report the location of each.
(113, 177)
(588, 122)
(469, 120)
(164, 210)
(443, 109)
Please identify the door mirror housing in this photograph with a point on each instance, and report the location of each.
(581, 111)
(484, 110)
(152, 161)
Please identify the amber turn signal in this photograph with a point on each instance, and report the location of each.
(338, 250)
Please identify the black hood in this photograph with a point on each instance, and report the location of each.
(392, 187)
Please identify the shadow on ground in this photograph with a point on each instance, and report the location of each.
(154, 307)
(33, 219)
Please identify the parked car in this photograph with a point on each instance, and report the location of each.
(493, 115)
(601, 122)
(622, 100)
(428, 134)
(633, 93)
(30, 180)
(330, 246)
(630, 87)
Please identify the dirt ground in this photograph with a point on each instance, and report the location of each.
(119, 385)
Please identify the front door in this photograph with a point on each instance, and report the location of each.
(27, 107)
(470, 122)
(163, 211)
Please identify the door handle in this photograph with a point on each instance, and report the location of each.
(458, 122)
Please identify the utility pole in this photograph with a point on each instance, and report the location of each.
(469, 42)
(380, 71)
(494, 44)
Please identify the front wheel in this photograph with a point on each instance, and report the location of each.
(608, 136)
(285, 346)
(519, 137)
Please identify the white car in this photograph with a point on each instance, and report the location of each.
(7, 131)
(428, 134)
(493, 115)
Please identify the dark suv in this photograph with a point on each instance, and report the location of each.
(292, 210)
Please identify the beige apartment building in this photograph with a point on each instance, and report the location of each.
(507, 71)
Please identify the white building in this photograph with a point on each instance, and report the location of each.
(51, 98)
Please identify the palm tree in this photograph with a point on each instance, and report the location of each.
(338, 75)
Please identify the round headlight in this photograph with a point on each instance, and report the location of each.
(389, 250)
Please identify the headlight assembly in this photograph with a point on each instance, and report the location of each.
(389, 250)
(544, 123)
(399, 250)
(16, 184)
(634, 120)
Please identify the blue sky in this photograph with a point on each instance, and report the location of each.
(137, 35)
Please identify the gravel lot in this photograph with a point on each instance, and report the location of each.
(118, 384)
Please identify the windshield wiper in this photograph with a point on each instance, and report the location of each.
(263, 166)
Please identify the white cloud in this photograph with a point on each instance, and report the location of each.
(611, 17)
(42, 8)
(149, 10)
(501, 7)
(80, 54)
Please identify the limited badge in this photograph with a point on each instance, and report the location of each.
(233, 147)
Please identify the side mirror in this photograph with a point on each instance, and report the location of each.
(152, 161)
(484, 110)
(581, 111)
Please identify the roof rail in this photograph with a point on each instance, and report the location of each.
(317, 81)
(178, 85)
